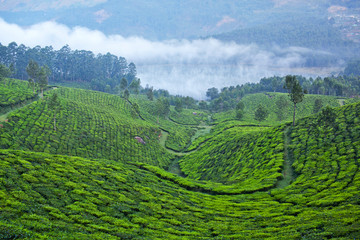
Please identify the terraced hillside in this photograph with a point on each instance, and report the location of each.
(89, 124)
(14, 92)
(90, 179)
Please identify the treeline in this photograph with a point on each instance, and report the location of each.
(228, 97)
(97, 72)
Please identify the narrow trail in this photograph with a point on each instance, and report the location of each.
(288, 172)
(202, 129)
(341, 102)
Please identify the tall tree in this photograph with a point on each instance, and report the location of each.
(135, 86)
(123, 84)
(43, 78)
(150, 93)
(178, 105)
(32, 69)
(212, 93)
(295, 91)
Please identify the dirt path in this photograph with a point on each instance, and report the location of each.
(288, 172)
(341, 102)
(202, 130)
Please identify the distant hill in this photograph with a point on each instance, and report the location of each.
(165, 19)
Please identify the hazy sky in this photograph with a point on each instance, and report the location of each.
(185, 67)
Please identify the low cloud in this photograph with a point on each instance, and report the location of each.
(181, 66)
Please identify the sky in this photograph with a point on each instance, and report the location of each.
(181, 66)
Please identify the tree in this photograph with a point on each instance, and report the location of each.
(126, 94)
(43, 77)
(178, 105)
(317, 105)
(240, 110)
(282, 105)
(32, 70)
(295, 91)
(261, 113)
(4, 73)
(162, 107)
(123, 84)
(54, 105)
(203, 105)
(212, 93)
(150, 93)
(134, 86)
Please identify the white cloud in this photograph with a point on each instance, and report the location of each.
(182, 66)
(101, 15)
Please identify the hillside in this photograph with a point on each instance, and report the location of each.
(91, 179)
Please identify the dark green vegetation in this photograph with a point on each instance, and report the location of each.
(93, 178)
(74, 68)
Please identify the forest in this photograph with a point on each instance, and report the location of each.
(278, 159)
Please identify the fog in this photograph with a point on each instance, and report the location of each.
(182, 67)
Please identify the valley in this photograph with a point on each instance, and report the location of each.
(204, 175)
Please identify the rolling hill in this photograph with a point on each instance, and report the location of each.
(91, 179)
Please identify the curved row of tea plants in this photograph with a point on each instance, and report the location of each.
(14, 92)
(234, 156)
(45, 196)
(326, 158)
(179, 134)
(89, 124)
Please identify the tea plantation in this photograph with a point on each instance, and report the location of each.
(92, 177)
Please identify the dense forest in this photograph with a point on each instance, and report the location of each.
(75, 67)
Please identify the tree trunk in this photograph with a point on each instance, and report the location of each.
(294, 114)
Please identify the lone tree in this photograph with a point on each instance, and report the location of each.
(295, 91)
(32, 70)
(261, 113)
(54, 105)
(43, 75)
(240, 110)
(150, 93)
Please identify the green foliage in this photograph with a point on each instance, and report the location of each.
(269, 101)
(282, 106)
(114, 187)
(14, 93)
(317, 105)
(324, 150)
(261, 113)
(89, 124)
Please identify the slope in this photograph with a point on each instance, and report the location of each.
(89, 124)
